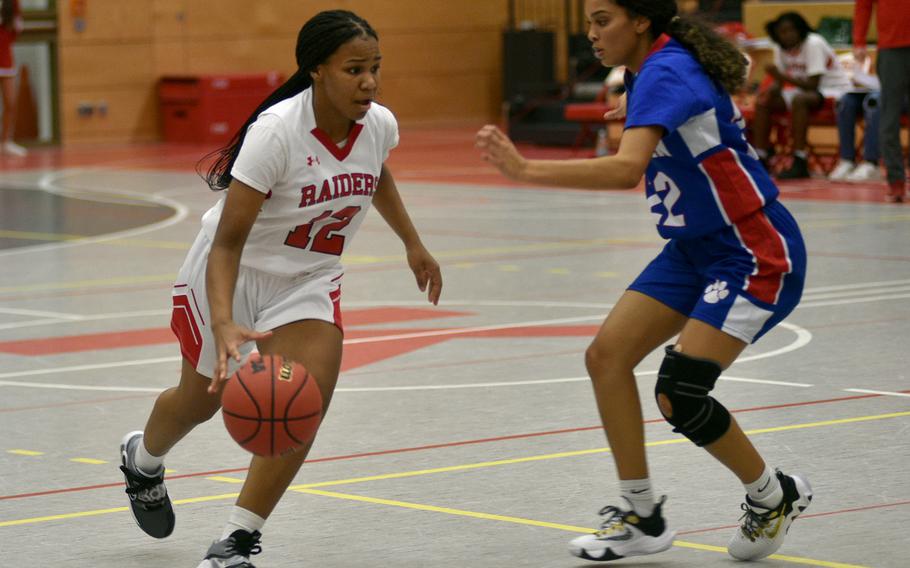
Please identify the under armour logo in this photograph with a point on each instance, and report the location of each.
(312, 161)
(716, 292)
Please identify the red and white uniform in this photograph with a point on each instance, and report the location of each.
(814, 57)
(318, 194)
(7, 37)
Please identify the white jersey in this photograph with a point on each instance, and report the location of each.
(317, 192)
(815, 57)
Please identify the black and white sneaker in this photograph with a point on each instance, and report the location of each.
(234, 551)
(149, 501)
(763, 530)
(623, 533)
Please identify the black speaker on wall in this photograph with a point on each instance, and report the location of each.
(528, 59)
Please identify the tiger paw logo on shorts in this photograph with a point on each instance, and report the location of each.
(716, 292)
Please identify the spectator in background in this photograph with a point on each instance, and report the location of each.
(863, 102)
(805, 72)
(893, 64)
(10, 26)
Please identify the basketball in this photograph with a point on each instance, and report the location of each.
(271, 405)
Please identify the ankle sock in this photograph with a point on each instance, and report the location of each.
(639, 494)
(146, 463)
(766, 490)
(242, 519)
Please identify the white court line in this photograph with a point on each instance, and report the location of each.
(55, 315)
(463, 330)
(802, 338)
(859, 292)
(878, 284)
(765, 382)
(883, 393)
(77, 318)
(92, 367)
(811, 304)
(48, 184)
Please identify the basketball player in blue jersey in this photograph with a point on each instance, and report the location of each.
(733, 268)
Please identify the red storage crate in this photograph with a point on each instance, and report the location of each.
(210, 108)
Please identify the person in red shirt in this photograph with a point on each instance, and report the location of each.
(893, 64)
(10, 26)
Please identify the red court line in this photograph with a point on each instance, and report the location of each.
(429, 447)
(807, 516)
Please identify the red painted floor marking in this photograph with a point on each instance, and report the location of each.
(426, 447)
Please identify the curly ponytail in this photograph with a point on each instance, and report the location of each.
(721, 60)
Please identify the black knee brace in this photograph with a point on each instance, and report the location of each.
(686, 382)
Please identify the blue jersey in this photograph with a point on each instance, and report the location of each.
(704, 176)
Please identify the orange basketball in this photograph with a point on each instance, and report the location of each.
(271, 405)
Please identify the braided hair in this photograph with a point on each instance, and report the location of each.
(318, 39)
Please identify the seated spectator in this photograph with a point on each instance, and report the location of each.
(862, 101)
(805, 72)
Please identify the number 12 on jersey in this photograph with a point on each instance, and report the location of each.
(325, 240)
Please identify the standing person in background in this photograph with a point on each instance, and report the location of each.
(805, 71)
(10, 26)
(299, 176)
(732, 269)
(893, 64)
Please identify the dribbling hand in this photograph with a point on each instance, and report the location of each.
(228, 337)
(496, 148)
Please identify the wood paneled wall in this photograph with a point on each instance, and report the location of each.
(441, 59)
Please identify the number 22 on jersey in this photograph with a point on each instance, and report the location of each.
(667, 192)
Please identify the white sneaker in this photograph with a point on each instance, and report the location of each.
(841, 171)
(763, 530)
(234, 551)
(623, 533)
(13, 149)
(867, 171)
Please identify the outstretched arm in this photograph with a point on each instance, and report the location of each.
(388, 203)
(622, 170)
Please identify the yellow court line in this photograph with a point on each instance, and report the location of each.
(95, 512)
(225, 479)
(25, 452)
(64, 237)
(92, 461)
(544, 524)
(464, 467)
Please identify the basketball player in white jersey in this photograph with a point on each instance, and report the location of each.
(300, 176)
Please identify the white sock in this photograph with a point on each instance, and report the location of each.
(761, 152)
(801, 154)
(147, 463)
(242, 519)
(766, 490)
(639, 493)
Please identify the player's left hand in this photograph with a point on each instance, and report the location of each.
(426, 270)
(496, 148)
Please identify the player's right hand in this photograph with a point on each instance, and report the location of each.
(228, 338)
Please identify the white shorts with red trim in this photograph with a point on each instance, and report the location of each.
(262, 301)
